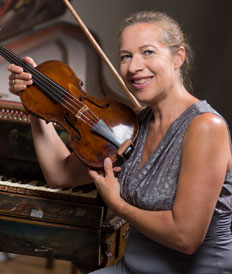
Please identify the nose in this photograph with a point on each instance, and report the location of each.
(136, 64)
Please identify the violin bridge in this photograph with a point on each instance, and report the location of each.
(81, 111)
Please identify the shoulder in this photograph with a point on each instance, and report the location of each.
(207, 139)
(207, 133)
(207, 124)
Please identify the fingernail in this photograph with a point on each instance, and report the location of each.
(107, 161)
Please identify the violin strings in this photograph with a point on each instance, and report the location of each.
(30, 69)
(67, 104)
(37, 78)
(88, 115)
(11, 57)
(88, 121)
(39, 75)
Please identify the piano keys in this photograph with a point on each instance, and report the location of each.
(71, 225)
(86, 193)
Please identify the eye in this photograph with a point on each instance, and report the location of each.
(148, 52)
(124, 57)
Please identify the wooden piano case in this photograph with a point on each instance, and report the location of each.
(66, 224)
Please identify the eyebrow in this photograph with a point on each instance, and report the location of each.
(124, 51)
(148, 45)
(144, 46)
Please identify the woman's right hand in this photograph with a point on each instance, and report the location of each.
(18, 79)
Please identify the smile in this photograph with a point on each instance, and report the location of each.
(141, 81)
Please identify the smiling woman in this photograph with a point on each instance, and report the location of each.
(169, 34)
(168, 195)
(148, 66)
(175, 189)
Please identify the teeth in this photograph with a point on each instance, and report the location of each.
(141, 81)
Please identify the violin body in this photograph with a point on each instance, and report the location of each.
(78, 113)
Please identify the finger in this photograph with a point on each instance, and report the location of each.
(15, 69)
(19, 81)
(30, 61)
(25, 76)
(108, 167)
(117, 169)
(15, 86)
(94, 175)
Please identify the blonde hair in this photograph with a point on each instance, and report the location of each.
(171, 35)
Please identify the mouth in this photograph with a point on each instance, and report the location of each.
(141, 82)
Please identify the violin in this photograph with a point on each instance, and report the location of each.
(97, 128)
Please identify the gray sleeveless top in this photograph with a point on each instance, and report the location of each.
(153, 187)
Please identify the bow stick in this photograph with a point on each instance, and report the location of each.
(103, 56)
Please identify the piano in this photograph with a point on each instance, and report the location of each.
(68, 224)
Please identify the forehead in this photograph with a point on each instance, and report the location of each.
(141, 33)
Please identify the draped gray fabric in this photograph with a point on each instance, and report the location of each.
(153, 187)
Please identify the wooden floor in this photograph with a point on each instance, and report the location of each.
(33, 265)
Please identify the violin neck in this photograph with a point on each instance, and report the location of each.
(11, 57)
(45, 84)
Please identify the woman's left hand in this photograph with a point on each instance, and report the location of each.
(108, 185)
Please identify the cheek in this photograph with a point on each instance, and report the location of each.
(123, 71)
(165, 71)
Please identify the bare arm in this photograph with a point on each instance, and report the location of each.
(60, 167)
(206, 157)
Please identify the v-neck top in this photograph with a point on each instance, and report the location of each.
(153, 186)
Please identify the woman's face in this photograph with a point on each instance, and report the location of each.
(147, 65)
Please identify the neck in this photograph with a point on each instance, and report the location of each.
(171, 106)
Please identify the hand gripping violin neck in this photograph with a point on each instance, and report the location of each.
(97, 128)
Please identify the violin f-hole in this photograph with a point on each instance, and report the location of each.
(66, 118)
(82, 98)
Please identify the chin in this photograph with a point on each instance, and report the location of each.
(145, 100)
(141, 97)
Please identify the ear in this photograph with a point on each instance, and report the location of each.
(180, 57)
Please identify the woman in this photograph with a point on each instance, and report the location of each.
(175, 189)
